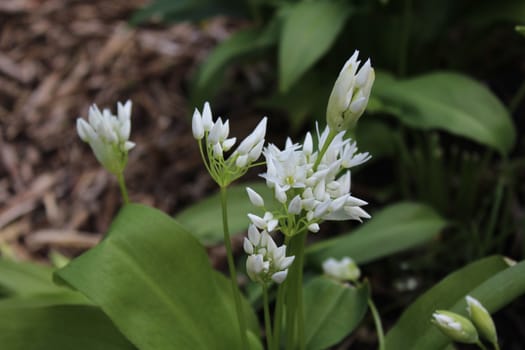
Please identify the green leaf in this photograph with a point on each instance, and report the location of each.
(204, 219)
(521, 30)
(451, 102)
(376, 138)
(22, 278)
(310, 28)
(62, 327)
(396, 228)
(153, 279)
(332, 311)
(449, 294)
(243, 43)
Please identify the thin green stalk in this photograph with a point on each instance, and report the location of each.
(379, 326)
(496, 346)
(327, 143)
(267, 320)
(294, 296)
(231, 266)
(122, 185)
(278, 316)
(480, 345)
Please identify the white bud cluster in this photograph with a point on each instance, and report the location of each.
(313, 191)
(343, 270)
(350, 94)
(215, 135)
(108, 135)
(266, 261)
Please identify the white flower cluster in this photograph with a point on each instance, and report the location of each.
(215, 134)
(108, 135)
(350, 94)
(312, 190)
(266, 262)
(343, 270)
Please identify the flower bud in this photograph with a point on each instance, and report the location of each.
(350, 94)
(481, 319)
(255, 198)
(456, 327)
(344, 270)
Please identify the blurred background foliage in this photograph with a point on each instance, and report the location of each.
(442, 122)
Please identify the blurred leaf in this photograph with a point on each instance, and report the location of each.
(62, 327)
(204, 219)
(521, 30)
(154, 280)
(490, 280)
(451, 102)
(243, 43)
(307, 99)
(23, 278)
(309, 30)
(375, 137)
(180, 10)
(332, 311)
(396, 228)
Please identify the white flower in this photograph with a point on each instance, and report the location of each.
(215, 137)
(350, 94)
(266, 261)
(108, 135)
(255, 198)
(344, 270)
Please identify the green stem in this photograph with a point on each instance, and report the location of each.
(496, 346)
(278, 316)
(267, 320)
(498, 195)
(377, 322)
(231, 267)
(294, 296)
(403, 45)
(326, 144)
(480, 345)
(122, 185)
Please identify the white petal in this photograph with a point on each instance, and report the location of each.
(207, 120)
(280, 276)
(196, 125)
(253, 235)
(255, 198)
(247, 245)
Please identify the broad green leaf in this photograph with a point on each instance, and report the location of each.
(23, 278)
(376, 137)
(446, 295)
(180, 10)
(332, 311)
(204, 219)
(521, 30)
(62, 327)
(309, 30)
(65, 297)
(154, 281)
(396, 228)
(451, 102)
(243, 43)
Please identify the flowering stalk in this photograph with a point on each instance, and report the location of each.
(267, 319)
(108, 136)
(214, 142)
(377, 322)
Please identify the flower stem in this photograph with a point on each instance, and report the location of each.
(294, 296)
(267, 320)
(231, 265)
(496, 346)
(377, 322)
(480, 345)
(122, 185)
(326, 144)
(277, 317)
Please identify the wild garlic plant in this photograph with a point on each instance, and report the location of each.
(108, 136)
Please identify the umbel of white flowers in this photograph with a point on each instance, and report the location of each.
(266, 261)
(456, 327)
(311, 190)
(108, 135)
(217, 142)
(342, 270)
(350, 94)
